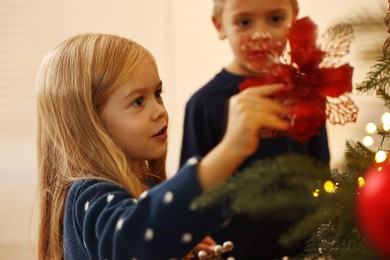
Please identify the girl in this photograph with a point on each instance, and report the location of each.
(102, 143)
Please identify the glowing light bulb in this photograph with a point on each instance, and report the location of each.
(316, 193)
(361, 182)
(371, 128)
(380, 156)
(386, 127)
(368, 141)
(386, 118)
(329, 187)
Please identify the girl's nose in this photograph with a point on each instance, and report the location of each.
(159, 111)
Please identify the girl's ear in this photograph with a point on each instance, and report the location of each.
(218, 26)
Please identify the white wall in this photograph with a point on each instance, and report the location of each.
(178, 32)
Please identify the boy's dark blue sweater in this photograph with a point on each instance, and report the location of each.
(204, 126)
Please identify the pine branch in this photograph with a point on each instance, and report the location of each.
(378, 78)
(382, 94)
(284, 188)
(384, 134)
(358, 157)
(256, 185)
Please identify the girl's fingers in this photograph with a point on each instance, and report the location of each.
(209, 241)
(265, 90)
(207, 244)
(208, 248)
(268, 105)
(261, 110)
(275, 122)
(249, 112)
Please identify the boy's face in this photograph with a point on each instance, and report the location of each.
(256, 30)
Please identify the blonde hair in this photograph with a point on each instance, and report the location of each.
(218, 6)
(74, 82)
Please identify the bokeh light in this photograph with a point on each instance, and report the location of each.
(329, 187)
(368, 141)
(380, 156)
(386, 118)
(361, 182)
(371, 128)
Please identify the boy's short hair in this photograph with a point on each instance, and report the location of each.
(295, 5)
(218, 4)
(217, 7)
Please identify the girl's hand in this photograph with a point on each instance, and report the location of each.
(207, 244)
(249, 111)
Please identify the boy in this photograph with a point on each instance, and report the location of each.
(206, 112)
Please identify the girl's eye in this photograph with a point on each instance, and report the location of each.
(138, 102)
(158, 94)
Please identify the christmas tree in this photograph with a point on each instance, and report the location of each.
(288, 184)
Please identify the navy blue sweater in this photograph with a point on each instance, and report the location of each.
(104, 221)
(204, 127)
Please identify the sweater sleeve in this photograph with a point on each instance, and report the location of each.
(104, 221)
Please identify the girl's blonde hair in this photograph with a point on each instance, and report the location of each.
(74, 82)
(218, 6)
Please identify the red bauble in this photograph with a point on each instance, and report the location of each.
(373, 208)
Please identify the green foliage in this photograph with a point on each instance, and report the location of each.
(378, 80)
(385, 137)
(252, 191)
(358, 157)
(283, 188)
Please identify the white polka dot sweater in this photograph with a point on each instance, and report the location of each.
(104, 221)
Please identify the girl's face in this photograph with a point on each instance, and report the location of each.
(257, 32)
(135, 116)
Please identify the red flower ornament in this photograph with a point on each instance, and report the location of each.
(318, 85)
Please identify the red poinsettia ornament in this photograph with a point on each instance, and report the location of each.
(317, 84)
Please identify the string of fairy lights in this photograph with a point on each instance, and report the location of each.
(368, 141)
(381, 154)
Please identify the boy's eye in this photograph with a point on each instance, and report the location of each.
(138, 102)
(243, 22)
(276, 19)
